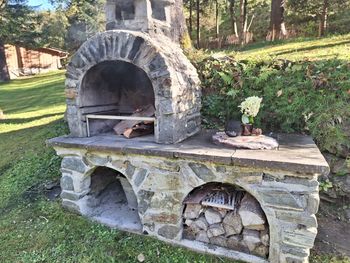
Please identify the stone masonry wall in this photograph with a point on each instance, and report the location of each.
(289, 201)
(174, 80)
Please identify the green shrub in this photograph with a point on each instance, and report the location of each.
(300, 97)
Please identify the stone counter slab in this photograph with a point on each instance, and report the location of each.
(296, 153)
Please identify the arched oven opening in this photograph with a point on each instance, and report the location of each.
(117, 92)
(227, 216)
(112, 201)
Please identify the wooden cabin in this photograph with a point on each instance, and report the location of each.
(25, 61)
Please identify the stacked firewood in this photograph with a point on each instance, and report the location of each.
(135, 128)
(240, 225)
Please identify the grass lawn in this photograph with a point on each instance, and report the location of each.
(335, 47)
(34, 227)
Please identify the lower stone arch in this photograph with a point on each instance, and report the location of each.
(111, 200)
(227, 216)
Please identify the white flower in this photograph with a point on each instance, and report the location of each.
(251, 106)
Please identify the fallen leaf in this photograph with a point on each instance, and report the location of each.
(141, 258)
(279, 93)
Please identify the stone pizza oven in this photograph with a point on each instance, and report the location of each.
(136, 63)
(250, 205)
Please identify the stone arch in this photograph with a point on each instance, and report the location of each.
(161, 61)
(111, 199)
(189, 210)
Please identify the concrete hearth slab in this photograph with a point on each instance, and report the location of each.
(296, 153)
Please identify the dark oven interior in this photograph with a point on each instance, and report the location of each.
(115, 88)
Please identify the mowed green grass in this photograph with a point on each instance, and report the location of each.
(334, 47)
(34, 229)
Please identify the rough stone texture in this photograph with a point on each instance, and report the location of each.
(168, 231)
(286, 188)
(177, 92)
(261, 142)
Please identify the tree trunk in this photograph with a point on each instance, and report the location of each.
(217, 18)
(4, 72)
(233, 18)
(277, 27)
(191, 17)
(323, 19)
(243, 19)
(179, 29)
(198, 24)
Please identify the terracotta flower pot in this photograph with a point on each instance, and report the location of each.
(247, 129)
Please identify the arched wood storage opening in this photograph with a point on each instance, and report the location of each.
(227, 216)
(112, 201)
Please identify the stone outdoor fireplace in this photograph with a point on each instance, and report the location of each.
(136, 63)
(176, 185)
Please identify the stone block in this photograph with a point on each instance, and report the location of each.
(168, 231)
(203, 172)
(129, 193)
(304, 238)
(144, 198)
(139, 177)
(162, 217)
(98, 160)
(130, 169)
(67, 183)
(313, 202)
(72, 196)
(74, 164)
(167, 201)
(281, 199)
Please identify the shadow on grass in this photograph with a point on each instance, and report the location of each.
(25, 154)
(17, 101)
(312, 48)
(26, 120)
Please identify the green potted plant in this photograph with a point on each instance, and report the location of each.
(250, 108)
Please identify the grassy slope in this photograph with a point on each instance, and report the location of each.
(33, 229)
(336, 47)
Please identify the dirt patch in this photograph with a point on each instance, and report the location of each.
(333, 230)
